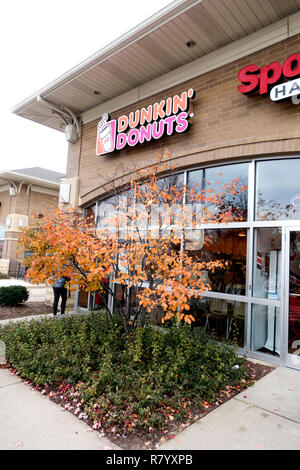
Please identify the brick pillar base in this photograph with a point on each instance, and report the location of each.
(4, 265)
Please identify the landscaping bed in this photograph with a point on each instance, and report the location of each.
(137, 389)
(24, 310)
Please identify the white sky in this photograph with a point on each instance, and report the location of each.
(39, 42)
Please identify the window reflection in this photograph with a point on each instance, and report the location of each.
(106, 211)
(224, 189)
(278, 189)
(228, 246)
(173, 186)
(267, 263)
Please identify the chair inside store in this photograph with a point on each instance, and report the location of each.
(225, 320)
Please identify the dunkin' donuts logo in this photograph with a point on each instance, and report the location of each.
(162, 118)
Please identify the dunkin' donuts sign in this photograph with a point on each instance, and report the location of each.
(162, 118)
(268, 78)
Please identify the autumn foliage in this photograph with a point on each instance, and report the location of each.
(138, 256)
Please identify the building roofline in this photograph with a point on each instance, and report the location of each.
(155, 21)
(9, 176)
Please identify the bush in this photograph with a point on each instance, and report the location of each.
(13, 295)
(141, 374)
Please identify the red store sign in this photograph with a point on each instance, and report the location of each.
(261, 79)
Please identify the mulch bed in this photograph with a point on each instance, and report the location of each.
(24, 310)
(68, 398)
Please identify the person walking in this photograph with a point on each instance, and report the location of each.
(59, 290)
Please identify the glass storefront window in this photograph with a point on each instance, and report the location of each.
(172, 185)
(225, 188)
(265, 329)
(228, 246)
(119, 298)
(294, 294)
(226, 320)
(83, 299)
(106, 211)
(122, 295)
(277, 189)
(90, 213)
(267, 263)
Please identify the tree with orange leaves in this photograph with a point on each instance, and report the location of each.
(137, 254)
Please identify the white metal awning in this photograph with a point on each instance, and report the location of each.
(153, 49)
(15, 177)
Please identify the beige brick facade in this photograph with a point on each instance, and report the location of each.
(21, 209)
(226, 125)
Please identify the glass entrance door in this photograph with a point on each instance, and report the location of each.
(292, 303)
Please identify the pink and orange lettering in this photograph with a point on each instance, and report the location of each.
(122, 123)
(180, 102)
(134, 119)
(158, 110)
(146, 115)
(163, 117)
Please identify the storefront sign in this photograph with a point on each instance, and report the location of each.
(285, 90)
(261, 79)
(164, 118)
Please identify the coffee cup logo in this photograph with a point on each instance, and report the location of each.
(106, 135)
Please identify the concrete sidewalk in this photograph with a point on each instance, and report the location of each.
(265, 416)
(30, 421)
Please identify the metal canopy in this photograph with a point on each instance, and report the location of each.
(154, 48)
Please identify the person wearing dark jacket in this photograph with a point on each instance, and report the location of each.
(59, 290)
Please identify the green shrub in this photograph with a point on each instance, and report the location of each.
(138, 374)
(13, 295)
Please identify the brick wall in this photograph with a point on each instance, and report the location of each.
(226, 125)
(5, 201)
(25, 204)
(41, 204)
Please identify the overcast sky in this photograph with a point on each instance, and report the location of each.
(39, 42)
